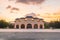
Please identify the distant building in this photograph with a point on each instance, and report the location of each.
(29, 22)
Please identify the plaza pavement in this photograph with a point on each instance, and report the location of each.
(29, 30)
(30, 34)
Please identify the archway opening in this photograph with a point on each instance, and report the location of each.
(17, 26)
(41, 26)
(35, 26)
(22, 26)
(29, 26)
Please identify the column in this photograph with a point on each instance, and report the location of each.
(15, 26)
(32, 26)
(38, 26)
(19, 26)
(25, 26)
(43, 26)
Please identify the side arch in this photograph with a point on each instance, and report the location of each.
(41, 26)
(17, 26)
(35, 26)
(22, 26)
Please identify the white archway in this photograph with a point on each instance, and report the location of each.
(29, 26)
(17, 26)
(22, 26)
(35, 26)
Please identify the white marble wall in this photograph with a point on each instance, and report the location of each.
(29, 21)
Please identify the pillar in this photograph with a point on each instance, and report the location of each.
(32, 26)
(15, 26)
(43, 26)
(25, 26)
(19, 26)
(38, 26)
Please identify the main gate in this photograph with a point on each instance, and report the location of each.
(29, 26)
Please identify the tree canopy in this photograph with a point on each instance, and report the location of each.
(55, 24)
(3, 24)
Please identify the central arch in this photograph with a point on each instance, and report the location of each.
(29, 26)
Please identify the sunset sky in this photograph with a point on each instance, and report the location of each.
(47, 9)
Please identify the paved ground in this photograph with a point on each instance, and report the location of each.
(29, 35)
(29, 30)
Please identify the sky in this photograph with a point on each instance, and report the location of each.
(49, 10)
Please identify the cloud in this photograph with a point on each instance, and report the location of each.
(8, 7)
(30, 1)
(31, 14)
(15, 9)
(10, 0)
(12, 9)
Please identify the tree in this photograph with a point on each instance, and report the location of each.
(11, 25)
(55, 24)
(46, 24)
(3, 24)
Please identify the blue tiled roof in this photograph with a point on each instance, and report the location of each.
(17, 18)
(29, 17)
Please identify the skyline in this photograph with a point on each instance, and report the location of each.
(11, 9)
